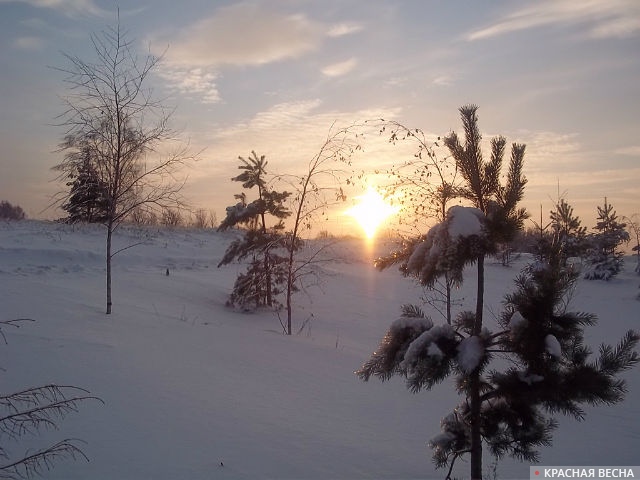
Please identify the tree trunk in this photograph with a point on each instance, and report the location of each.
(267, 273)
(476, 437)
(292, 248)
(290, 278)
(267, 260)
(448, 286)
(477, 327)
(289, 307)
(476, 434)
(109, 235)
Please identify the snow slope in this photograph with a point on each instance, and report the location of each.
(189, 384)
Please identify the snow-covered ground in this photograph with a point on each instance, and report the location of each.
(193, 390)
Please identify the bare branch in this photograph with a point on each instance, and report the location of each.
(12, 323)
(42, 461)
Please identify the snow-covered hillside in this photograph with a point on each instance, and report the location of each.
(193, 390)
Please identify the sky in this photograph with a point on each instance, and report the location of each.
(273, 76)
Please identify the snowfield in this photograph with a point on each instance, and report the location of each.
(193, 390)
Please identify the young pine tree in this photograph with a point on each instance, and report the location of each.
(266, 273)
(568, 231)
(549, 370)
(88, 199)
(604, 259)
(465, 237)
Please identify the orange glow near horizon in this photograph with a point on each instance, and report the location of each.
(371, 211)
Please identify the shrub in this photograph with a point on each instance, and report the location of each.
(11, 212)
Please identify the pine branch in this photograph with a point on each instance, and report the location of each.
(412, 311)
(42, 461)
(620, 358)
(32, 419)
(12, 323)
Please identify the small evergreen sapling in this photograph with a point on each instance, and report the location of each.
(266, 273)
(604, 260)
(88, 199)
(568, 231)
(551, 370)
(543, 341)
(466, 236)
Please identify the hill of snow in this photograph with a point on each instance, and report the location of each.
(193, 390)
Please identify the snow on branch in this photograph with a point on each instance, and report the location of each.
(464, 222)
(470, 353)
(552, 346)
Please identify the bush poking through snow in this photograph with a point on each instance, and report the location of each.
(11, 212)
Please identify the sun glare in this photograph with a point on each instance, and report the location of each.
(371, 211)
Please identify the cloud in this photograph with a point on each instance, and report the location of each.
(617, 27)
(340, 68)
(283, 116)
(560, 152)
(191, 81)
(614, 18)
(290, 131)
(245, 33)
(443, 80)
(70, 8)
(303, 118)
(346, 28)
(396, 81)
(28, 43)
(633, 151)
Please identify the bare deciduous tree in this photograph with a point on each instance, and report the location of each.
(633, 223)
(139, 216)
(172, 217)
(111, 113)
(314, 192)
(201, 218)
(429, 182)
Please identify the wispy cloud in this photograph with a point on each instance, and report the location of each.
(618, 27)
(614, 18)
(70, 8)
(28, 43)
(340, 68)
(191, 81)
(345, 28)
(545, 149)
(247, 33)
(292, 131)
(632, 151)
(443, 80)
(396, 81)
(282, 116)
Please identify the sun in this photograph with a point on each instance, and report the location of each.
(371, 211)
